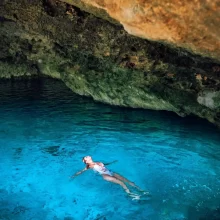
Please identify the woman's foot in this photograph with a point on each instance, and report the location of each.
(144, 192)
(127, 191)
(134, 196)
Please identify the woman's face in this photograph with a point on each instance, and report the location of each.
(87, 159)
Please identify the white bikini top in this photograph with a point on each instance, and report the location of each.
(100, 169)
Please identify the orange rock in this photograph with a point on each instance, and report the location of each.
(170, 75)
(107, 54)
(191, 24)
(198, 76)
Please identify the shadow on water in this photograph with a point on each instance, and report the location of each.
(51, 94)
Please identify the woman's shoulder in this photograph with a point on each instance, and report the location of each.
(99, 163)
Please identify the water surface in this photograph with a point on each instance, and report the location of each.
(45, 130)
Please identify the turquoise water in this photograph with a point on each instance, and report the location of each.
(45, 130)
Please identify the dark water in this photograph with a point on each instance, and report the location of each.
(45, 130)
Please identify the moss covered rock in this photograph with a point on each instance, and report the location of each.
(97, 58)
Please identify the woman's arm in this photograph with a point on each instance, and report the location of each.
(110, 162)
(78, 173)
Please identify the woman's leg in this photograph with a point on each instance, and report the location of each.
(119, 177)
(115, 180)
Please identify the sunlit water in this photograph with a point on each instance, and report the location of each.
(45, 130)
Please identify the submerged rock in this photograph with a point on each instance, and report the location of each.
(98, 58)
(53, 150)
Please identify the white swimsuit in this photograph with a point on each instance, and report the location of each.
(102, 170)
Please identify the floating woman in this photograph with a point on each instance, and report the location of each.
(109, 176)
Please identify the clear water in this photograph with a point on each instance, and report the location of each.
(45, 130)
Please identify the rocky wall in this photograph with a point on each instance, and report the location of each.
(97, 58)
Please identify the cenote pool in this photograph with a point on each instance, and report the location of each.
(45, 130)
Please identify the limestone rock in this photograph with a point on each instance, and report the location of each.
(191, 24)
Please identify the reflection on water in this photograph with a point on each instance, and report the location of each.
(45, 130)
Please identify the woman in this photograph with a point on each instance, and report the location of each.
(108, 175)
